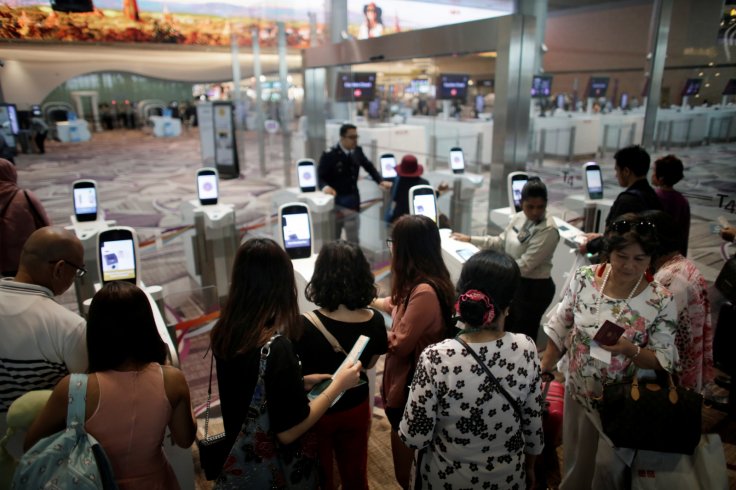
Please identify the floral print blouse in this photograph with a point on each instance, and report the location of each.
(473, 436)
(694, 337)
(649, 319)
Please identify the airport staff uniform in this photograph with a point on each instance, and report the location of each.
(532, 245)
(339, 168)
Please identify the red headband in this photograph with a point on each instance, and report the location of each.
(475, 295)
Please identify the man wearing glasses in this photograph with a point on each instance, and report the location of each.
(338, 176)
(42, 340)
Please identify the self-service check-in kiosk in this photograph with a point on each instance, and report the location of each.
(592, 205)
(295, 235)
(87, 221)
(463, 185)
(118, 260)
(455, 253)
(211, 246)
(321, 206)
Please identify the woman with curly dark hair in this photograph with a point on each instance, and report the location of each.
(342, 286)
(421, 296)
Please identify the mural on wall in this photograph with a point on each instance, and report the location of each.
(201, 23)
(187, 22)
(368, 19)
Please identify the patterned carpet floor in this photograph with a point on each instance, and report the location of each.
(143, 181)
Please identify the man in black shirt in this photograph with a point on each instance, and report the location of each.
(338, 176)
(632, 165)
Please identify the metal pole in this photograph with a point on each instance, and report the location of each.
(259, 100)
(285, 110)
(237, 97)
(659, 33)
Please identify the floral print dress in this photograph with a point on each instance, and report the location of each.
(649, 319)
(473, 436)
(694, 337)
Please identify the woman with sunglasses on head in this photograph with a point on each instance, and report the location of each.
(262, 310)
(474, 436)
(531, 238)
(342, 286)
(421, 297)
(621, 292)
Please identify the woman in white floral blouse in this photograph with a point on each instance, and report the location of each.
(476, 437)
(622, 292)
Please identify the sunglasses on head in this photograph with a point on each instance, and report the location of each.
(642, 227)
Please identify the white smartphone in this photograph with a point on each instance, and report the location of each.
(85, 200)
(388, 166)
(593, 180)
(296, 230)
(117, 255)
(307, 174)
(457, 160)
(423, 201)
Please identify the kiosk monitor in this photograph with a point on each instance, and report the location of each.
(422, 201)
(388, 166)
(355, 87)
(452, 87)
(9, 118)
(207, 186)
(541, 86)
(117, 255)
(593, 180)
(84, 193)
(597, 87)
(296, 230)
(516, 182)
(457, 160)
(306, 171)
(692, 86)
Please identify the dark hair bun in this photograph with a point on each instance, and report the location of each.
(472, 312)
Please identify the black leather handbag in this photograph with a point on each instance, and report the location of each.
(213, 449)
(654, 415)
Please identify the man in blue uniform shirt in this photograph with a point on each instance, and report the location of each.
(338, 176)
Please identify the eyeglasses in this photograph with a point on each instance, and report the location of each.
(352, 137)
(81, 271)
(642, 227)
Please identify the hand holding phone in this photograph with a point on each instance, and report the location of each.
(609, 333)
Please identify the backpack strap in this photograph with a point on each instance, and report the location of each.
(77, 396)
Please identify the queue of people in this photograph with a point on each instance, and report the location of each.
(465, 407)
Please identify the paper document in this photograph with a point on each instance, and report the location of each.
(353, 356)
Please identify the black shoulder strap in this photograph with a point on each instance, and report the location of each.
(493, 379)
